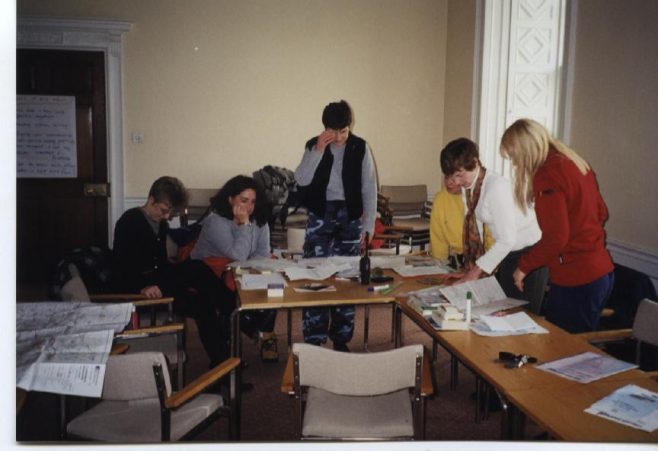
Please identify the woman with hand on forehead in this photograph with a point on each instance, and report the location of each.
(571, 214)
(489, 201)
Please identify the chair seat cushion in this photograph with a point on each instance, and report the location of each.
(415, 224)
(329, 415)
(139, 421)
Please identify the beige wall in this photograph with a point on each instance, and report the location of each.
(615, 111)
(459, 70)
(222, 87)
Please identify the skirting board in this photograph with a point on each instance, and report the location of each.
(639, 259)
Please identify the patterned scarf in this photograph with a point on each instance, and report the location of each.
(473, 245)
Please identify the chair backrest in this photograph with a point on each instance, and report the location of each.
(198, 201)
(295, 239)
(405, 200)
(644, 325)
(130, 376)
(74, 289)
(356, 374)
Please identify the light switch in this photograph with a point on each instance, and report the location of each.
(137, 137)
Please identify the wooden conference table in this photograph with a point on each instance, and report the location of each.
(347, 293)
(553, 402)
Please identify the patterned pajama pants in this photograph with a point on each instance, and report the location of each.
(333, 234)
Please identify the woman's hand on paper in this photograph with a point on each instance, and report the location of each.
(518, 277)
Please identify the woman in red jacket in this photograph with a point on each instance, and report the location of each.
(571, 213)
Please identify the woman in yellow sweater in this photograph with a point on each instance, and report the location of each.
(447, 223)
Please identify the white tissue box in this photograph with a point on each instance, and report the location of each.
(274, 290)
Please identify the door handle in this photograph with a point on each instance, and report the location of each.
(96, 189)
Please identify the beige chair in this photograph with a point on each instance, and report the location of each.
(644, 330)
(138, 405)
(162, 335)
(407, 208)
(379, 395)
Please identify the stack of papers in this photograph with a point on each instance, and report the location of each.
(515, 324)
(315, 287)
(261, 281)
(586, 367)
(630, 405)
(413, 271)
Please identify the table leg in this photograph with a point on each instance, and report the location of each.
(398, 325)
(236, 351)
(366, 324)
(477, 398)
(289, 316)
(62, 417)
(454, 371)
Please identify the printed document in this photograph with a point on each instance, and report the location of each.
(261, 281)
(586, 367)
(630, 405)
(62, 347)
(518, 323)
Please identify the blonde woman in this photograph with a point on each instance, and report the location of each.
(571, 214)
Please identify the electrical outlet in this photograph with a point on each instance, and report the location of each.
(137, 137)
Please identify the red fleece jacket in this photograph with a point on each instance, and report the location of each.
(570, 212)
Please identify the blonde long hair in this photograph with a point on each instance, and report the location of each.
(526, 143)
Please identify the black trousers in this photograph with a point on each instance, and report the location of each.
(534, 285)
(198, 294)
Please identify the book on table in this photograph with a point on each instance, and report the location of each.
(488, 297)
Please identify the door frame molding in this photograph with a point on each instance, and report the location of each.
(90, 35)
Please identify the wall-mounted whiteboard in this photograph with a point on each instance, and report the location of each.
(45, 139)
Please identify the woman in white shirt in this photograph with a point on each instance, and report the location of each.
(489, 199)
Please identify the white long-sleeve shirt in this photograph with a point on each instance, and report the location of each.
(511, 229)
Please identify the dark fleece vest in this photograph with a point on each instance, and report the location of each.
(315, 194)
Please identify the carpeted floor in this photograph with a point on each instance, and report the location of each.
(270, 416)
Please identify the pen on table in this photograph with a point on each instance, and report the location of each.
(391, 288)
(379, 288)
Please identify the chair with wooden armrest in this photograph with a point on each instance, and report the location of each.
(644, 331)
(408, 210)
(379, 395)
(139, 406)
(172, 344)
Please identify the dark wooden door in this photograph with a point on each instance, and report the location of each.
(54, 215)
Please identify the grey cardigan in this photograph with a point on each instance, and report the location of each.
(221, 237)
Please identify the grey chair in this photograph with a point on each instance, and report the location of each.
(644, 330)
(138, 405)
(351, 396)
(162, 334)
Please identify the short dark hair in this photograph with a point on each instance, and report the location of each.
(171, 190)
(232, 188)
(458, 154)
(337, 115)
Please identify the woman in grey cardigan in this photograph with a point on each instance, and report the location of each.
(237, 229)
